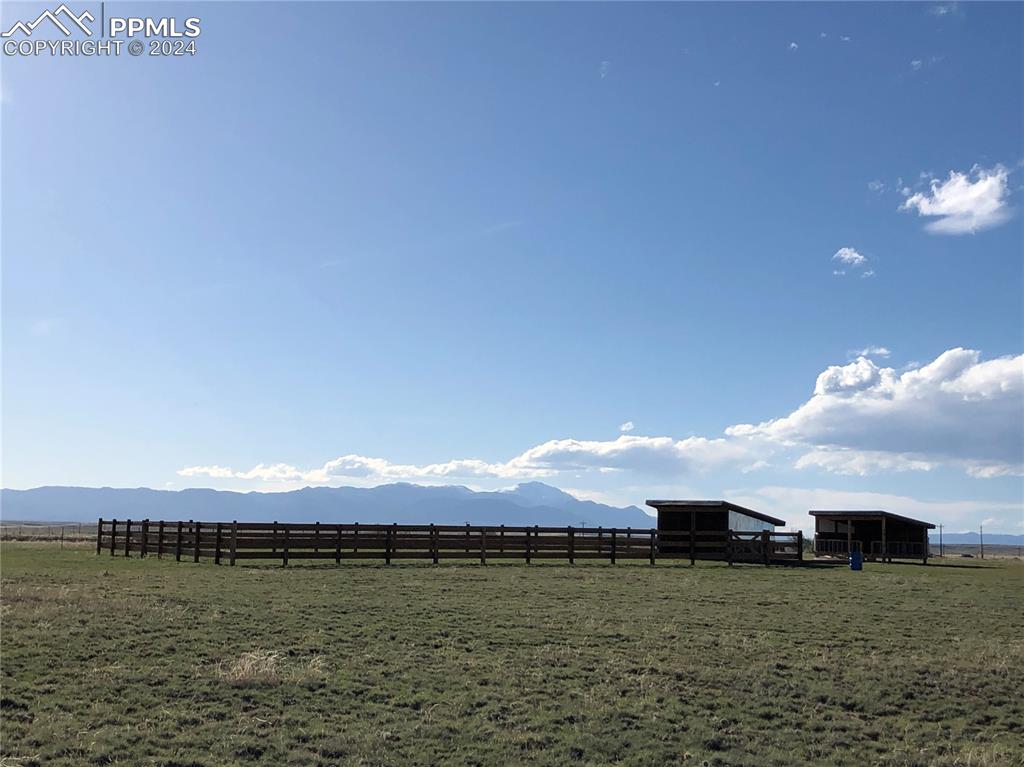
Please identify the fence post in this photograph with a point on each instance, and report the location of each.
(693, 534)
(145, 538)
(177, 543)
(216, 544)
(284, 549)
(572, 545)
(62, 537)
(527, 531)
(160, 539)
(196, 532)
(316, 537)
(234, 540)
(387, 546)
(600, 540)
(433, 543)
(355, 538)
(501, 540)
(127, 538)
(273, 537)
(99, 536)
(614, 531)
(483, 545)
(652, 546)
(467, 537)
(728, 548)
(337, 547)
(765, 543)
(800, 545)
(113, 535)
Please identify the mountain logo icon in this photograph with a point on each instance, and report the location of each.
(62, 12)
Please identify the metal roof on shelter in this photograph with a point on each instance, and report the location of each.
(867, 514)
(715, 506)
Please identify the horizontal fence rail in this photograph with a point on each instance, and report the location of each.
(836, 547)
(231, 542)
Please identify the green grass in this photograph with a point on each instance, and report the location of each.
(146, 662)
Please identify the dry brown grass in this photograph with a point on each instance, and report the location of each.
(270, 667)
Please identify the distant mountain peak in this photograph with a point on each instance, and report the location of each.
(539, 493)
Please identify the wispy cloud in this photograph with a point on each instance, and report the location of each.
(877, 186)
(965, 202)
(793, 46)
(869, 351)
(605, 69)
(944, 9)
(626, 427)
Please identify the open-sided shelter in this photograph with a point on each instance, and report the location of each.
(876, 534)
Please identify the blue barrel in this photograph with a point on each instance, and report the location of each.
(856, 560)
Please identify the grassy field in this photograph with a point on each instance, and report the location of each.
(146, 662)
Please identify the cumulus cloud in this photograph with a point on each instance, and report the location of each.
(956, 410)
(849, 256)
(851, 260)
(626, 427)
(965, 202)
(662, 455)
(862, 418)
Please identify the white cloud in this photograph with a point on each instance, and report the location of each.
(876, 186)
(868, 273)
(782, 501)
(916, 64)
(860, 462)
(216, 472)
(660, 455)
(845, 38)
(793, 46)
(606, 67)
(965, 202)
(944, 9)
(849, 256)
(626, 427)
(957, 411)
(869, 351)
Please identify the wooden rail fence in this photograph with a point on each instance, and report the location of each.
(286, 541)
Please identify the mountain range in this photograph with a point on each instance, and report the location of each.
(530, 503)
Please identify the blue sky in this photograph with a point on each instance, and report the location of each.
(468, 243)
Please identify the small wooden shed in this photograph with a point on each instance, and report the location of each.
(719, 530)
(878, 535)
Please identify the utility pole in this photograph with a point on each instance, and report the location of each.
(981, 539)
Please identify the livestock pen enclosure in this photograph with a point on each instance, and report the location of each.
(151, 662)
